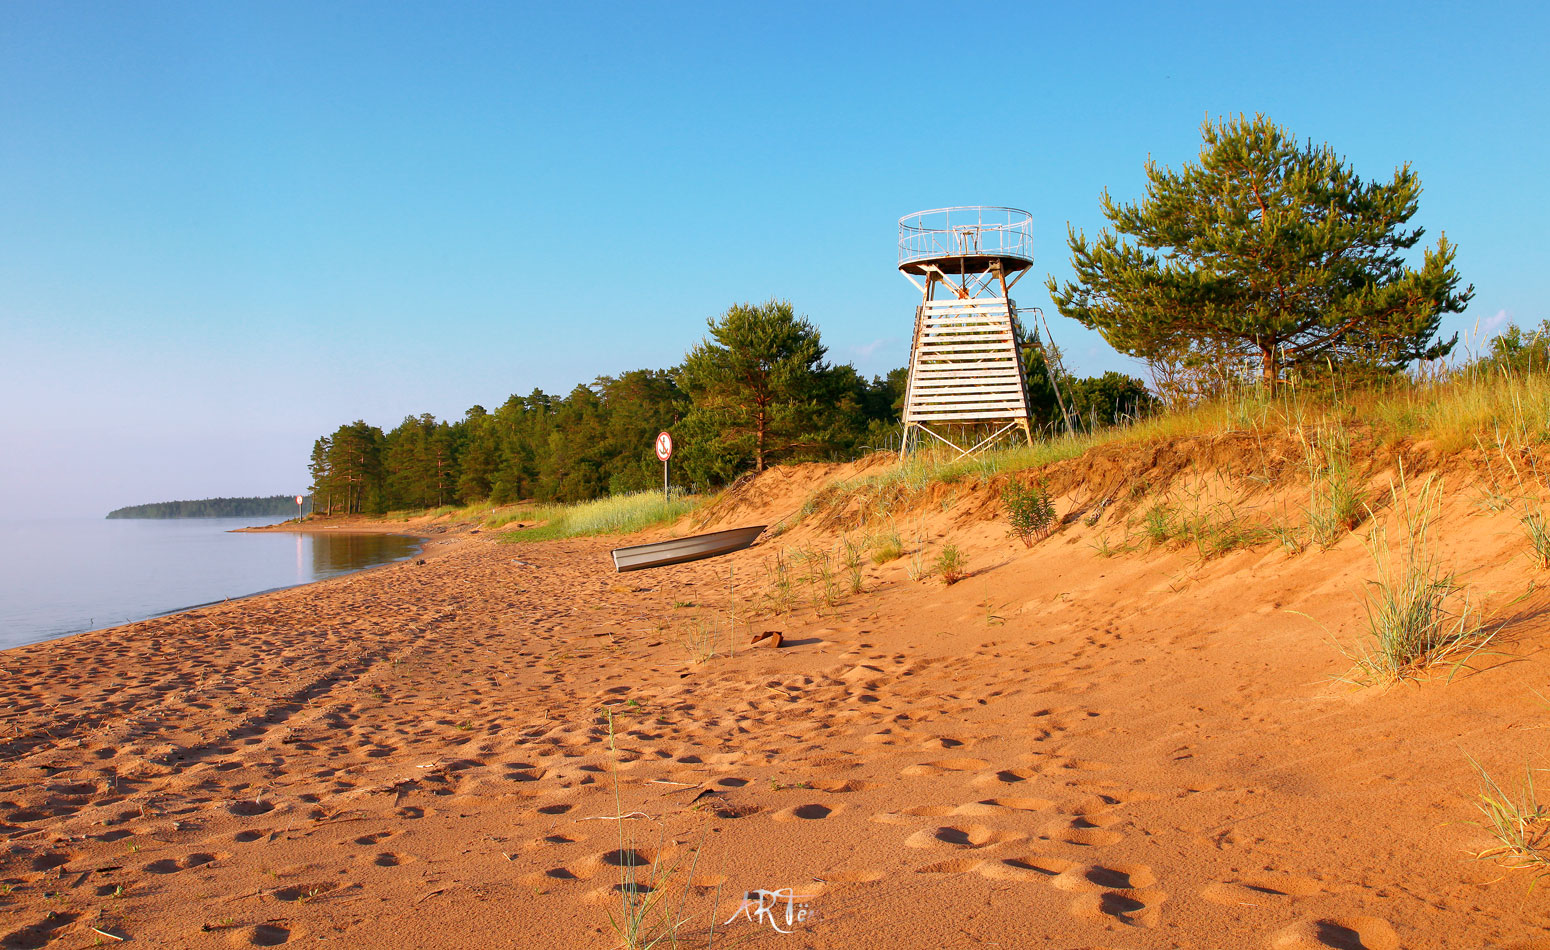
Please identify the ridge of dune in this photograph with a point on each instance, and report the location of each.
(1063, 749)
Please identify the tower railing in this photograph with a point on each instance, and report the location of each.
(970, 231)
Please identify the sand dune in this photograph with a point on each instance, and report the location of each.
(1062, 750)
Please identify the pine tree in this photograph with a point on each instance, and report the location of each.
(758, 386)
(1278, 251)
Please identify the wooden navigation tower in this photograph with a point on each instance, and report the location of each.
(965, 365)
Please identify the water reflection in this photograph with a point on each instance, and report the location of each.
(334, 554)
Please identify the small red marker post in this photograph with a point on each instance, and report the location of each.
(298, 507)
(664, 452)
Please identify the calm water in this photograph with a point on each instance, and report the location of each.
(63, 576)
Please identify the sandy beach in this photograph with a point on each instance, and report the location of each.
(1062, 750)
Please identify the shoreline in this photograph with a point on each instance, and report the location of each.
(423, 539)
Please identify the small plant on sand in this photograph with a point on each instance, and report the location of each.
(780, 595)
(1338, 505)
(1030, 511)
(701, 638)
(1159, 524)
(1519, 822)
(1418, 615)
(887, 546)
(819, 577)
(647, 915)
(1538, 529)
(850, 554)
(916, 568)
(1286, 536)
(951, 564)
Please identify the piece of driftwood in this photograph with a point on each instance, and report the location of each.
(638, 557)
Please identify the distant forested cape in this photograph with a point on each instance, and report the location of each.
(274, 506)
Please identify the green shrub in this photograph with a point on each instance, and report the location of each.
(1030, 512)
(951, 564)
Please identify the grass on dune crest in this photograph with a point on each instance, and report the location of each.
(1507, 411)
(619, 514)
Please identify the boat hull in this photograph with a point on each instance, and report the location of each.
(639, 557)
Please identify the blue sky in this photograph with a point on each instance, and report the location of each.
(227, 228)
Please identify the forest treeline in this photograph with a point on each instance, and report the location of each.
(271, 506)
(757, 390)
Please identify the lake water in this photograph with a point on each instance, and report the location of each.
(62, 576)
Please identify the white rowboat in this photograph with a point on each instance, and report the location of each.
(641, 556)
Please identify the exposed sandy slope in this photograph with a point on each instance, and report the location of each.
(1063, 750)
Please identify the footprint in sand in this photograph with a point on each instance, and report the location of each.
(1089, 837)
(969, 836)
(942, 766)
(48, 862)
(953, 866)
(169, 866)
(1342, 933)
(1097, 877)
(857, 876)
(989, 806)
(390, 859)
(809, 812)
(1138, 908)
(1020, 803)
(1005, 777)
(1262, 890)
(1034, 867)
(262, 935)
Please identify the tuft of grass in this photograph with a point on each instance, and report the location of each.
(819, 577)
(1286, 535)
(1338, 505)
(951, 565)
(1103, 548)
(780, 594)
(850, 556)
(1418, 615)
(701, 638)
(619, 514)
(916, 568)
(647, 916)
(1518, 821)
(887, 546)
(1538, 528)
(1030, 512)
(1160, 524)
(1218, 529)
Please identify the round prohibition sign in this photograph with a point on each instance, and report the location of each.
(664, 446)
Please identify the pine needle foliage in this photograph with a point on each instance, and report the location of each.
(1268, 250)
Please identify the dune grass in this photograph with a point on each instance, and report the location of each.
(619, 514)
(1418, 613)
(1518, 821)
(1454, 410)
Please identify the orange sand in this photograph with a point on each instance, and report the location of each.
(1063, 750)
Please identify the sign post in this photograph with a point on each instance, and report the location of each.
(664, 452)
(298, 507)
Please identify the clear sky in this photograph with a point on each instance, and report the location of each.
(226, 228)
